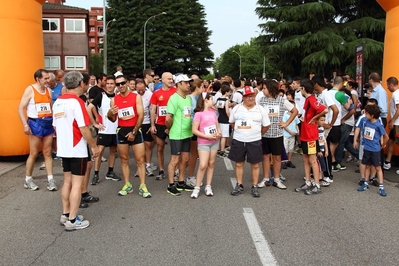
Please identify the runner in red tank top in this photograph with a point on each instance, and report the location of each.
(128, 108)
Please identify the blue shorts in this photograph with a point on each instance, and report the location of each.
(41, 127)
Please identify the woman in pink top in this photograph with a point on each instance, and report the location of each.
(206, 128)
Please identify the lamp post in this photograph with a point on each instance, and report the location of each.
(105, 45)
(240, 60)
(145, 27)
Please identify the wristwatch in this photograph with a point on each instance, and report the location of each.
(134, 132)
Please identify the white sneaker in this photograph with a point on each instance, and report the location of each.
(282, 178)
(30, 185)
(327, 179)
(42, 166)
(262, 183)
(103, 159)
(279, 185)
(191, 181)
(387, 166)
(349, 159)
(397, 172)
(51, 185)
(195, 193)
(208, 191)
(78, 224)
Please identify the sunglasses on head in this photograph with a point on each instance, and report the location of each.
(120, 83)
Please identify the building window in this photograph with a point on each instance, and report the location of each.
(93, 51)
(91, 39)
(51, 24)
(92, 29)
(52, 62)
(100, 40)
(74, 25)
(75, 62)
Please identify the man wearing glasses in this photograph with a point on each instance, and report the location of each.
(149, 75)
(128, 108)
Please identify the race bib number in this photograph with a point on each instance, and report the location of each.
(162, 111)
(59, 111)
(126, 113)
(243, 124)
(312, 147)
(220, 104)
(43, 109)
(187, 111)
(210, 130)
(369, 133)
(273, 110)
(146, 112)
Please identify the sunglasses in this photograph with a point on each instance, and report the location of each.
(152, 75)
(120, 83)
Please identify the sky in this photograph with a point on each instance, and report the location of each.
(231, 21)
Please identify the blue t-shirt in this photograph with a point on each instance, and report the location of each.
(56, 92)
(371, 134)
(292, 126)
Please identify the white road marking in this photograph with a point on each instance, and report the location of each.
(228, 164)
(262, 247)
(233, 181)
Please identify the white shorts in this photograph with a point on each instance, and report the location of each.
(289, 143)
(225, 128)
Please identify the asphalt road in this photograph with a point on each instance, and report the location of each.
(338, 227)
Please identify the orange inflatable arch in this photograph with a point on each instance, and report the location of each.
(23, 53)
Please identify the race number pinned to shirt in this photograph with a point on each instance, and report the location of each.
(369, 133)
(59, 111)
(162, 111)
(126, 113)
(43, 109)
(273, 110)
(187, 111)
(243, 124)
(147, 112)
(220, 104)
(210, 130)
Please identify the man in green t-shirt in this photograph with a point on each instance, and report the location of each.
(178, 122)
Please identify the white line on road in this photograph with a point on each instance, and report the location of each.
(262, 247)
(228, 164)
(233, 181)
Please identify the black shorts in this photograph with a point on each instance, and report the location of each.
(392, 134)
(121, 138)
(335, 134)
(178, 146)
(161, 131)
(147, 136)
(274, 146)
(106, 140)
(252, 150)
(77, 166)
(371, 158)
(310, 147)
(88, 154)
(194, 138)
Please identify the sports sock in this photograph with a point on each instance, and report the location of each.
(110, 169)
(28, 178)
(96, 172)
(50, 177)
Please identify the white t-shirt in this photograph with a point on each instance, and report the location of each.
(326, 98)
(146, 105)
(248, 123)
(393, 107)
(299, 101)
(237, 96)
(70, 114)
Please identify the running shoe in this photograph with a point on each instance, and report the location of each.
(195, 193)
(208, 191)
(342, 167)
(191, 181)
(43, 166)
(161, 175)
(327, 179)
(172, 190)
(374, 182)
(290, 164)
(349, 159)
(112, 176)
(255, 191)
(30, 185)
(143, 191)
(78, 224)
(83, 204)
(184, 186)
(363, 187)
(51, 185)
(262, 184)
(64, 218)
(152, 167)
(90, 198)
(95, 180)
(302, 188)
(383, 193)
(313, 190)
(387, 165)
(361, 181)
(239, 189)
(148, 171)
(324, 183)
(126, 189)
(336, 167)
(279, 185)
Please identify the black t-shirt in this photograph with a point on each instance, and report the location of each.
(94, 91)
(221, 105)
(99, 98)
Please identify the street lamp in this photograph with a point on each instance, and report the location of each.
(145, 26)
(105, 45)
(240, 60)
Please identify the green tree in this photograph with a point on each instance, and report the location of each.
(309, 36)
(95, 64)
(177, 42)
